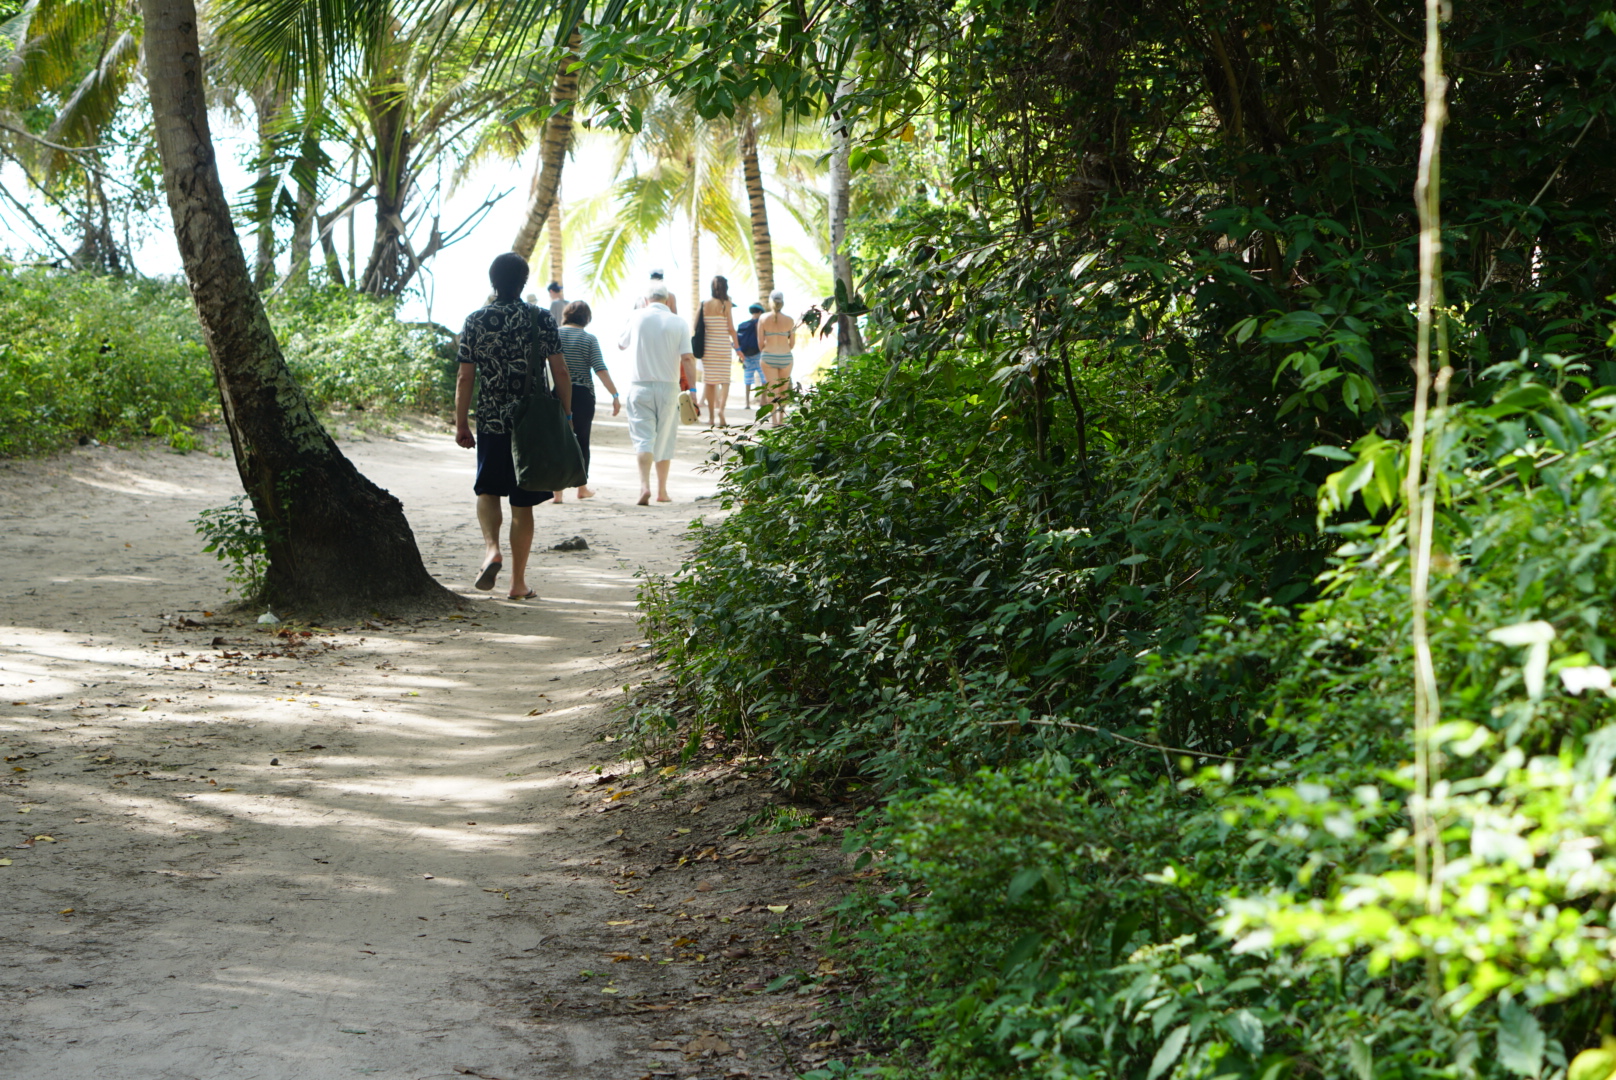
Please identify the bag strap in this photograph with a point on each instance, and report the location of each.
(533, 357)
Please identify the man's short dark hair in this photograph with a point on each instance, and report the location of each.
(554, 286)
(656, 275)
(577, 313)
(508, 273)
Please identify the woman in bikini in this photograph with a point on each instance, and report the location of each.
(718, 352)
(776, 332)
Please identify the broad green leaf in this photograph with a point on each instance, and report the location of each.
(1520, 1041)
(1169, 1052)
(1246, 1030)
(1362, 1058)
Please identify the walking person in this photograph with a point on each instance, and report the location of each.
(494, 349)
(657, 279)
(558, 303)
(659, 342)
(776, 333)
(718, 350)
(746, 343)
(584, 362)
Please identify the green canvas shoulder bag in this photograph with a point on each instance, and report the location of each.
(544, 449)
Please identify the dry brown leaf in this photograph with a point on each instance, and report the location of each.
(705, 1043)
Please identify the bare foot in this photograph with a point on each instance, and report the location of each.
(645, 498)
(555, 496)
(662, 498)
(585, 493)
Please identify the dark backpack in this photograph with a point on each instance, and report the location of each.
(747, 334)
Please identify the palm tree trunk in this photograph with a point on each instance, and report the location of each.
(546, 186)
(336, 542)
(762, 242)
(849, 342)
(695, 270)
(303, 233)
(267, 103)
(389, 124)
(553, 226)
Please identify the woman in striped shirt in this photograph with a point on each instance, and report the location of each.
(584, 361)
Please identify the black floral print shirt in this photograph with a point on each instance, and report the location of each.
(496, 339)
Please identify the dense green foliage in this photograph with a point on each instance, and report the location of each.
(1048, 564)
(85, 356)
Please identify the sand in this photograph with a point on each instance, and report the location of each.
(241, 853)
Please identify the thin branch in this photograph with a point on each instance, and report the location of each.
(1103, 731)
(46, 233)
(1555, 175)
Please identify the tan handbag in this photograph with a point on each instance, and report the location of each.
(689, 411)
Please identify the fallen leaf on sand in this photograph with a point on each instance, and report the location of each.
(620, 922)
(664, 1044)
(779, 909)
(705, 1043)
(47, 839)
(5, 862)
(65, 911)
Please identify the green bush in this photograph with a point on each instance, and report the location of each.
(1063, 919)
(353, 350)
(86, 356)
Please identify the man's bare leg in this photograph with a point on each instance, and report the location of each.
(490, 518)
(521, 547)
(662, 481)
(644, 461)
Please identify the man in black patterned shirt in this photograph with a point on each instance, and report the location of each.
(494, 348)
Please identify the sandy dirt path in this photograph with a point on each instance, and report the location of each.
(237, 853)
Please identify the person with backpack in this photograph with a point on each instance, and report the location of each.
(746, 343)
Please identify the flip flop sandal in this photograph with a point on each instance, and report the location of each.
(485, 580)
(529, 595)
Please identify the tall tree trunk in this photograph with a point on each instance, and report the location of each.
(546, 186)
(553, 230)
(336, 542)
(695, 270)
(389, 125)
(353, 184)
(267, 103)
(849, 342)
(762, 242)
(303, 233)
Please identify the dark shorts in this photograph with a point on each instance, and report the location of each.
(496, 473)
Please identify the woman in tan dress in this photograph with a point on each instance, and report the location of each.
(718, 351)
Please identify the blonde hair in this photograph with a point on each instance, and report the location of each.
(777, 300)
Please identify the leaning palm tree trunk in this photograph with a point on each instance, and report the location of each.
(762, 242)
(336, 542)
(553, 230)
(546, 187)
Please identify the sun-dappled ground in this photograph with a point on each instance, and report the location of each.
(374, 848)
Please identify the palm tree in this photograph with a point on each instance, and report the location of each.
(336, 541)
(544, 192)
(677, 166)
(80, 56)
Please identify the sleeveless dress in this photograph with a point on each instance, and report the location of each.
(718, 355)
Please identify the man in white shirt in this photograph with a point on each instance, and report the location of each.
(659, 342)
